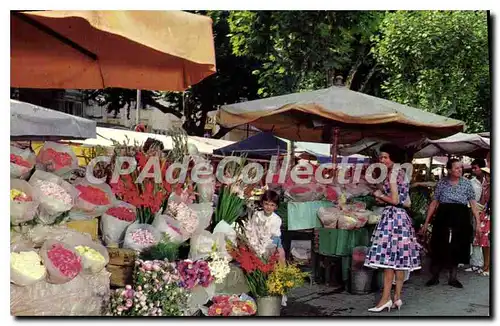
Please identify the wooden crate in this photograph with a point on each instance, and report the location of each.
(90, 226)
(121, 266)
(120, 275)
(121, 257)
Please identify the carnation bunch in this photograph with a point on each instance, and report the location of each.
(194, 273)
(157, 292)
(185, 215)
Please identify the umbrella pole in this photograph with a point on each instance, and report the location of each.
(334, 149)
(137, 106)
(429, 172)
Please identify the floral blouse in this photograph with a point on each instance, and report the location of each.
(461, 193)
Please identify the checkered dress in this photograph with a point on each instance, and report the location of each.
(393, 243)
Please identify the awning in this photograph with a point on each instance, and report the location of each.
(32, 122)
(458, 144)
(311, 116)
(262, 145)
(153, 50)
(106, 136)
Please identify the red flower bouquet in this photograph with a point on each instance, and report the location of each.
(60, 160)
(255, 268)
(93, 195)
(56, 158)
(122, 213)
(148, 197)
(232, 305)
(16, 159)
(67, 262)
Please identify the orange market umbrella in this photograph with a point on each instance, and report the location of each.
(154, 50)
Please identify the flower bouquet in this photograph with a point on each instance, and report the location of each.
(156, 293)
(231, 305)
(256, 268)
(194, 273)
(22, 162)
(56, 158)
(284, 278)
(148, 197)
(93, 200)
(23, 204)
(115, 221)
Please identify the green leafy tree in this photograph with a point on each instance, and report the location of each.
(437, 61)
(305, 50)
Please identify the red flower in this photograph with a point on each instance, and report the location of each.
(93, 195)
(141, 159)
(121, 213)
(16, 159)
(58, 159)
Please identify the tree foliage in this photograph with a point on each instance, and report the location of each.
(437, 61)
(434, 60)
(305, 50)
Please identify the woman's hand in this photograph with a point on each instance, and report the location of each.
(423, 229)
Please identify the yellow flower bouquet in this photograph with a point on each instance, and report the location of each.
(285, 278)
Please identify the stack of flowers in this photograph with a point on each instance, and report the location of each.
(148, 197)
(143, 237)
(219, 267)
(18, 195)
(256, 267)
(122, 213)
(194, 273)
(54, 191)
(157, 292)
(285, 278)
(59, 160)
(28, 265)
(18, 160)
(185, 215)
(232, 305)
(93, 195)
(64, 260)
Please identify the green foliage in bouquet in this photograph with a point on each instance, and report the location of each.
(230, 205)
(164, 250)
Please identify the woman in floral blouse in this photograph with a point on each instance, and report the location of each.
(452, 229)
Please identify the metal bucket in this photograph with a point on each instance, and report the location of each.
(269, 306)
(361, 281)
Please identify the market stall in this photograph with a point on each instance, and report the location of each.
(336, 116)
(144, 228)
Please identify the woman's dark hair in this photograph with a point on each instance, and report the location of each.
(479, 162)
(270, 195)
(150, 142)
(450, 162)
(396, 154)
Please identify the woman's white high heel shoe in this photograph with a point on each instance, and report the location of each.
(387, 305)
(397, 304)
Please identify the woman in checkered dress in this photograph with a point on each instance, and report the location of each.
(394, 246)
